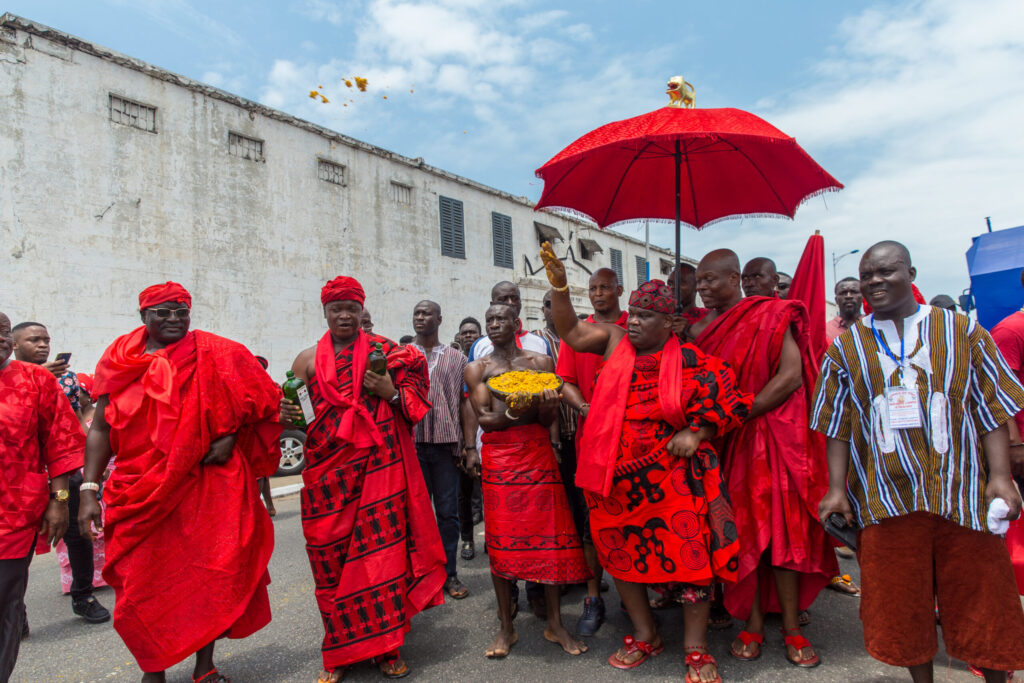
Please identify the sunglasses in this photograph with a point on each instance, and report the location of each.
(167, 313)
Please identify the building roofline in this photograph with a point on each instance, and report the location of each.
(13, 21)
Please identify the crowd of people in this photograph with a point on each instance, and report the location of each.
(704, 456)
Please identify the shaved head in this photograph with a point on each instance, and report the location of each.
(606, 274)
(760, 277)
(902, 253)
(886, 280)
(724, 261)
(718, 279)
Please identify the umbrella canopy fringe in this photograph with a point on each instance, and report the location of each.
(572, 213)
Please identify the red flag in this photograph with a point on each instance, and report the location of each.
(809, 287)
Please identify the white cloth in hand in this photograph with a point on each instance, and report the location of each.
(998, 511)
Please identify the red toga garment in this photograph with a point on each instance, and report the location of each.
(528, 523)
(40, 438)
(165, 409)
(774, 466)
(662, 519)
(370, 530)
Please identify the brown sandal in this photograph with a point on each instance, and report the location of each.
(391, 665)
(330, 675)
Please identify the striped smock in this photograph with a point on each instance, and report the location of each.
(965, 389)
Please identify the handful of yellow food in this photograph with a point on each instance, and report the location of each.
(520, 388)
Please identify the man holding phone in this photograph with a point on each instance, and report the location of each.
(32, 345)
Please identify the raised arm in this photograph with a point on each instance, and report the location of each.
(582, 337)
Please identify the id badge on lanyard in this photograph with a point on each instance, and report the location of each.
(901, 401)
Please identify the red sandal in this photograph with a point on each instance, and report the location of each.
(212, 676)
(698, 658)
(746, 637)
(798, 642)
(632, 646)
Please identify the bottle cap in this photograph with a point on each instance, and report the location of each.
(289, 374)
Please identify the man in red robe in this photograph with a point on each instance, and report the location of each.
(371, 535)
(774, 466)
(530, 532)
(191, 418)
(40, 441)
(659, 512)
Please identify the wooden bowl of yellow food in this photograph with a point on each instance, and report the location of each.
(521, 389)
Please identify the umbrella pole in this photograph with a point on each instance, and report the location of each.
(679, 162)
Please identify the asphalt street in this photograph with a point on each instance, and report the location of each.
(445, 644)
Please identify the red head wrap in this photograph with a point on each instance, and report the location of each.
(166, 293)
(655, 296)
(342, 288)
(85, 382)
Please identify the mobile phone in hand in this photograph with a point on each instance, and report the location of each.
(63, 358)
(837, 528)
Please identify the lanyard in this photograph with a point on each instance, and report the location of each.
(885, 347)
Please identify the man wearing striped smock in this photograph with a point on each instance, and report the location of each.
(914, 401)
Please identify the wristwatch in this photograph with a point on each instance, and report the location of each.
(394, 399)
(60, 495)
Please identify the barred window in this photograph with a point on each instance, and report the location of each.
(246, 148)
(641, 270)
(501, 237)
(616, 255)
(453, 228)
(330, 171)
(134, 114)
(400, 193)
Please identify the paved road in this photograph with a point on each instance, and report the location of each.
(445, 644)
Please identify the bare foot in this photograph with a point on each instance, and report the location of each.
(499, 649)
(561, 636)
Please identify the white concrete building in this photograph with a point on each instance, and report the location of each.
(116, 174)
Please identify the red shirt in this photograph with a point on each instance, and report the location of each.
(835, 327)
(581, 368)
(1008, 335)
(40, 438)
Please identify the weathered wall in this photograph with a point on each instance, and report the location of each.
(92, 211)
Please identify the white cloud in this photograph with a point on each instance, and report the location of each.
(917, 111)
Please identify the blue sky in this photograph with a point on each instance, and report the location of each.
(915, 106)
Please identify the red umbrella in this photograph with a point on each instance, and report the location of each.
(809, 287)
(697, 166)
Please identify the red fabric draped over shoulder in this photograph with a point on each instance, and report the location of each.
(774, 465)
(165, 410)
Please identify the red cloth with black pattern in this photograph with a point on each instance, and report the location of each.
(40, 438)
(165, 408)
(370, 530)
(665, 519)
(773, 464)
(693, 315)
(529, 529)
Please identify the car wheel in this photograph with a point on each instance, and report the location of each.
(292, 452)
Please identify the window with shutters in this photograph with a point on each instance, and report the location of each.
(617, 263)
(453, 229)
(641, 270)
(134, 114)
(501, 237)
(247, 148)
(330, 171)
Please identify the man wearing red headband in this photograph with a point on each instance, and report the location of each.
(659, 514)
(191, 418)
(371, 536)
(774, 465)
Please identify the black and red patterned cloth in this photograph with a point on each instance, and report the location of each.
(370, 530)
(529, 529)
(654, 295)
(662, 519)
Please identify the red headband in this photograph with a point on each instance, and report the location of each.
(166, 293)
(655, 296)
(342, 288)
(85, 382)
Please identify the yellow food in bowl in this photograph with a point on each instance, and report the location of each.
(524, 381)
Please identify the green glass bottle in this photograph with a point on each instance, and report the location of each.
(295, 390)
(377, 361)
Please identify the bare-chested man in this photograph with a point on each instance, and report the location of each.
(530, 531)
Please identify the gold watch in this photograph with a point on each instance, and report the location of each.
(60, 495)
